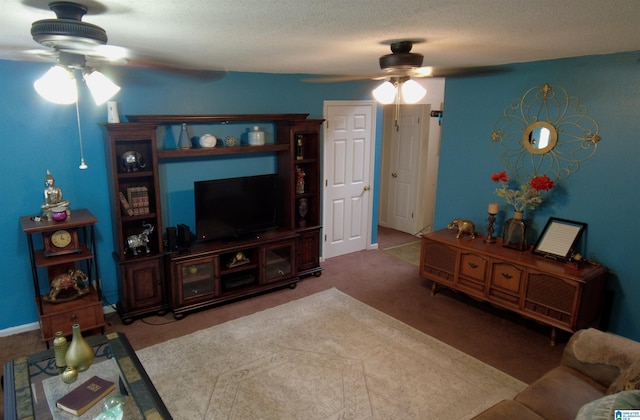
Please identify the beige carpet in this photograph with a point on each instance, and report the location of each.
(407, 252)
(326, 356)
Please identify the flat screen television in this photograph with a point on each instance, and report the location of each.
(235, 208)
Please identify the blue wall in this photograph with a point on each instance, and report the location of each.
(604, 192)
(37, 135)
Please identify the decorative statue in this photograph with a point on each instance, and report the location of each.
(140, 240)
(303, 208)
(74, 279)
(54, 206)
(300, 180)
(463, 226)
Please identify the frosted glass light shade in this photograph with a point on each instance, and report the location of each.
(102, 89)
(385, 93)
(58, 85)
(412, 91)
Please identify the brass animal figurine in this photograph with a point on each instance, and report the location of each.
(74, 279)
(463, 226)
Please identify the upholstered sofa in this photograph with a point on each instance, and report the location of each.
(599, 372)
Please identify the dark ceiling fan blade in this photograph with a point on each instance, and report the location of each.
(343, 78)
(466, 71)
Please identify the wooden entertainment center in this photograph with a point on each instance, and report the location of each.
(210, 273)
(555, 293)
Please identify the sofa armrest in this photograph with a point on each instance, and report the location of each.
(600, 355)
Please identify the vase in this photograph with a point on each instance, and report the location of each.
(79, 354)
(515, 232)
(184, 142)
(60, 346)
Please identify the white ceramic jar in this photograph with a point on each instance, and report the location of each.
(256, 136)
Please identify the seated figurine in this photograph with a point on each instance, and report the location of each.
(53, 202)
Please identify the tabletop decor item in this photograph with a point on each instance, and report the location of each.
(230, 141)
(60, 346)
(527, 196)
(79, 354)
(208, 140)
(256, 136)
(184, 141)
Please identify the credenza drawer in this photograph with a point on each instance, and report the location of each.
(473, 266)
(507, 277)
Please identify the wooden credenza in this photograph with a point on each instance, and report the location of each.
(558, 294)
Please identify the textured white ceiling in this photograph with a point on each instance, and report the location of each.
(342, 36)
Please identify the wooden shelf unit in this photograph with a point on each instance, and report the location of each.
(85, 310)
(162, 273)
(561, 295)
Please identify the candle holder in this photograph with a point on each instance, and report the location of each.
(490, 239)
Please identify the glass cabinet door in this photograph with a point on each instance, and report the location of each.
(199, 278)
(279, 261)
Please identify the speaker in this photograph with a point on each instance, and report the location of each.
(184, 237)
(172, 239)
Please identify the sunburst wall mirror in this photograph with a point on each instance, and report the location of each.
(546, 132)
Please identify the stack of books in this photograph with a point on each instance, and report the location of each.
(136, 202)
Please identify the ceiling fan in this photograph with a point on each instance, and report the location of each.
(402, 65)
(76, 43)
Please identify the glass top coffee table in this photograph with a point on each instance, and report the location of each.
(33, 383)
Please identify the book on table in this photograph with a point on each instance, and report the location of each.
(85, 396)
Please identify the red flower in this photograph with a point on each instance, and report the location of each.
(541, 183)
(500, 177)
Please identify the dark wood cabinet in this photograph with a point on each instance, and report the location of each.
(134, 190)
(562, 295)
(159, 279)
(60, 315)
(215, 272)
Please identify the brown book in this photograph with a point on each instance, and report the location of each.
(85, 396)
(125, 204)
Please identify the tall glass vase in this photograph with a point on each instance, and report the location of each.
(184, 141)
(515, 232)
(79, 354)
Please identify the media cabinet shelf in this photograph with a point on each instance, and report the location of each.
(561, 295)
(151, 283)
(200, 278)
(213, 151)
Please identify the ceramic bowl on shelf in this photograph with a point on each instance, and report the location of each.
(208, 140)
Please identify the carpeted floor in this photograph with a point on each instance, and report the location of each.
(324, 356)
(407, 252)
(505, 341)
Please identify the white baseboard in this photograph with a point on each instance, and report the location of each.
(36, 325)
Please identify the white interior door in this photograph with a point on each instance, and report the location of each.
(403, 177)
(348, 165)
(405, 197)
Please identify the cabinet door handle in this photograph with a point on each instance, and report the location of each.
(74, 318)
(507, 276)
(473, 265)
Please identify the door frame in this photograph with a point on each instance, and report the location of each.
(374, 191)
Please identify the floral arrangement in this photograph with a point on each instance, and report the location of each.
(527, 196)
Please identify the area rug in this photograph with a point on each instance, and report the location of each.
(407, 252)
(326, 356)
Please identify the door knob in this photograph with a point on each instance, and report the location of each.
(394, 175)
(366, 188)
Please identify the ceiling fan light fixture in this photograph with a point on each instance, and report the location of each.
(58, 85)
(101, 87)
(412, 91)
(385, 93)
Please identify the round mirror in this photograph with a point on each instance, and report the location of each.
(540, 137)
